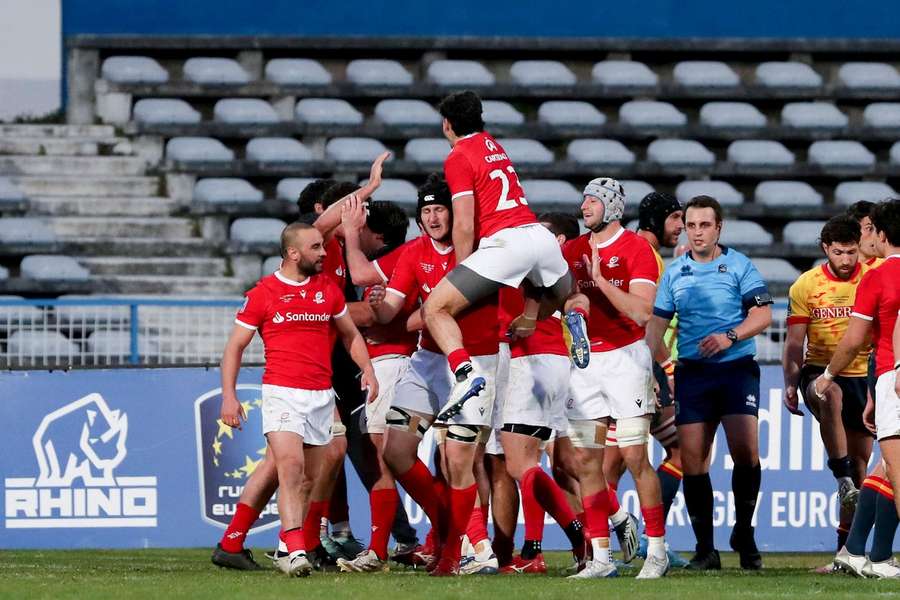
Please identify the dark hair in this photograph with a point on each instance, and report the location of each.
(337, 191)
(704, 202)
(861, 209)
(842, 229)
(388, 219)
(287, 234)
(886, 218)
(312, 195)
(561, 223)
(463, 110)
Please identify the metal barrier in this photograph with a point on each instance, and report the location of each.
(116, 331)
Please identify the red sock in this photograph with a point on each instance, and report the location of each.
(384, 505)
(613, 499)
(551, 497)
(244, 518)
(531, 507)
(458, 357)
(431, 543)
(461, 504)
(293, 539)
(477, 527)
(596, 513)
(311, 523)
(654, 521)
(422, 486)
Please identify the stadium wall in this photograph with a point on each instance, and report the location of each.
(134, 458)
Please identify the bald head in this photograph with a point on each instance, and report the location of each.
(301, 243)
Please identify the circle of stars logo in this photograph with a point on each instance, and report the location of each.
(226, 433)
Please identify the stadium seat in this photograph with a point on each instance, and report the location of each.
(624, 74)
(497, 112)
(680, 154)
(277, 150)
(327, 111)
(722, 191)
(198, 150)
(412, 230)
(53, 267)
(40, 344)
(551, 191)
(459, 73)
(373, 72)
(868, 76)
(567, 113)
(407, 113)
(650, 114)
(703, 74)
(297, 71)
(91, 316)
(745, 233)
(117, 345)
(526, 152)
(426, 151)
(541, 73)
(244, 111)
(226, 189)
(133, 69)
(165, 111)
(271, 264)
(784, 76)
(759, 154)
(600, 152)
(841, 154)
(353, 150)
(895, 153)
(813, 115)
(255, 231)
(882, 115)
(4, 273)
(397, 190)
(635, 191)
(9, 192)
(14, 316)
(786, 194)
(802, 233)
(25, 230)
(776, 270)
(848, 192)
(215, 71)
(289, 188)
(731, 115)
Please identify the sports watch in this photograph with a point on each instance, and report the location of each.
(731, 334)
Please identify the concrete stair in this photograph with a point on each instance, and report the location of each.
(64, 147)
(157, 266)
(83, 186)
(160, 228)
(81, 132)
(172, 285)
(110, 206)
(84, 166)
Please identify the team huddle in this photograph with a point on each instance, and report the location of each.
(511, 335)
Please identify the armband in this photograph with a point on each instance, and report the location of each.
(763, 299)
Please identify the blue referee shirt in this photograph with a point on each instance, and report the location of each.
(709, 298)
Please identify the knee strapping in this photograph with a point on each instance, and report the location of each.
(338, 428)
(397, 418)
(587, 433)
(465, 434)
(633, 431)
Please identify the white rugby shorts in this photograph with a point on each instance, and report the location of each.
(538, 390)
(389, 370)
(516, 253)
(308, 413)
(887, 406)
(617, 383)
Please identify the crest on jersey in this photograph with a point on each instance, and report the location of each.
(320, 298)
(613, 262)
(723, 268)
(490, 145)
(339, 271)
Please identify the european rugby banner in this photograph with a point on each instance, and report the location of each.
(137, 458)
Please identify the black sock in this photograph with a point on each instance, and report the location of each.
(842, 535)
(530, 549)
(575, 532)
(745, 482)
(841, 467)
(698, 498)
(885, 527)
(669, 485)
(863, 520)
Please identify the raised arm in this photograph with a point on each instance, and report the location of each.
(328, 222)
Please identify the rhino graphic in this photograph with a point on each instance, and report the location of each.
(82, 439)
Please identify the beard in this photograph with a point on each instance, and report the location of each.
(309, 268)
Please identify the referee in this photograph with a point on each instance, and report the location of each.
(722, 302)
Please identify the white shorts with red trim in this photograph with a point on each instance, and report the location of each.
(887, 406)
(308, 413)
(388, 371)
(617, 383)
(511, 255)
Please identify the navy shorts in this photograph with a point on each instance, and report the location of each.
(853, 394)
(706, 391)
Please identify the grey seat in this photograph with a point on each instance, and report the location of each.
(635, 191)
(759, 154)
(9, 192)
(624, 74)
(426, 151)
(787, 76)
(731, 115)
(895, 153)
(541, 73)
(92, 316)
(650, 114)
(116, 345)
(841, 154)
(289, 188)
(39, 345)
(802, 233)
(776, 270)
(244, 111)
(327, 111)
(271, 264)
(813, 115)
(407, 113)
(459, 73)
(863, 76)
(882, 115)
(570, 113)
(497, 112)
(551, 191)
(786, 194)
(680, 153)
(13, 316)
(226, 189)
(848, 192)
(745, 233)
(705, 74)
(523, 151)
(722, 191)
(53, 267)
(600, 152)
(165, 111)
(133, 69)
(396, 190)
(377, 72)
(297, 71)
(215, 71)
(198, 150)
(252, 230)
(353, 149)
(25, 230)
(277, 150)
(4, 273)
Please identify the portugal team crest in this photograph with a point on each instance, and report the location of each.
(227, 457)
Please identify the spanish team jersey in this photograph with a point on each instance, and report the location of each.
(824, 303)
(709, 298)
(874, 262)
(878, 300)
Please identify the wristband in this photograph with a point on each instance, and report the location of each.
(668, 366)
(828, 375)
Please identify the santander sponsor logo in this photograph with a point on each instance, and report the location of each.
(303, 317)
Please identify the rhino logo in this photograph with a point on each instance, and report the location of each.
(83, 439)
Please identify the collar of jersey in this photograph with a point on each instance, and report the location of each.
(892, 256)
(447, 250)
(690, 256)
(287, 281)
(832, 277)
(465, 137)
(611, 240)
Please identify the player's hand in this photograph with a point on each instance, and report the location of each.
(353, 214)
(369, 383)
(232, 411)
(376, 295)
(792, 401)
(821, 386)
(376, 170)
(656, 394)
(522, 326)
(868, 415)
(593, 265)
(713, 344)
